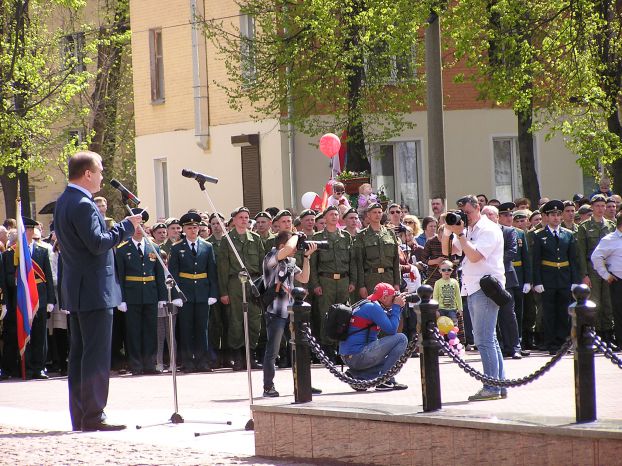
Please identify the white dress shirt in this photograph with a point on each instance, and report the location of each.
(607, 257)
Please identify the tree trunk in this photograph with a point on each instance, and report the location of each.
(614, 126)
(9, 188)
(531, 187)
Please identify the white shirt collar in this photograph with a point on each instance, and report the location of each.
(553, 230)
(80, 188)
(141, 242)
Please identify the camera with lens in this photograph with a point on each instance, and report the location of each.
(303, 243)
(455, 217)
(412, 298)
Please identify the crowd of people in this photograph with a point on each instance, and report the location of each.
(545, 251)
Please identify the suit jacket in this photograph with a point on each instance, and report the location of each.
(130, 264)
(89, 279)
(546, 248)
(182, 261)
(510, 242)
(522, 259)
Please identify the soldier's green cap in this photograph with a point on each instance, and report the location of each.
(351, 210)
(203, 223)
(213, 215)
(598, 198)
(329, 208)
(172, 221)
(506, 207)
(157, 226)
(306, 212)
(191, 218)
(263, 214)
(554, 205)
(375, 205)
(319, 216)
(584, 209)
(239, 210)
(535, 212)
(282, 213)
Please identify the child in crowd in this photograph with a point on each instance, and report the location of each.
(366, 198)
(339, 198)
(447, 293)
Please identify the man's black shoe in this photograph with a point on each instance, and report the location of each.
(102, 426)
(40, 376)
(525, 353)
(255, 365)
(315, 391)
(516, 355)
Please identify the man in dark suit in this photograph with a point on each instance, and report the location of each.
(193, 265)
(555, 273)
(143, 290)
(90, 288)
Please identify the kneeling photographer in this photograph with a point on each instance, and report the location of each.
(279, 271)
(367, 356)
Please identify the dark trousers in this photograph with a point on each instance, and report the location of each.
(118, 358)
(508, 327)
(10, 351)
(89, 366)
(555, 318)
(61, 347)
(192, 321)
(275, 326)
(141, 327)
(615, 289)
(519, 301)
(37, 348)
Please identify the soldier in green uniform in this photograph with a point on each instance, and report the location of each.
(217, 327)
(158, 232)
(589, 234)
(263, 226)
(333, 272)
(193, 265)
(173, 233)
(555, 272)
(307, 222)
(251, 250)
(568, 217)
(377, 256)
(143, 290)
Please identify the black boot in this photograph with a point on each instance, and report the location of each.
(254, 362)
(238, 359)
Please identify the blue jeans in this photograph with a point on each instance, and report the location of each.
(377, 357)
(483, 313)
(451, 313)
(275, 325)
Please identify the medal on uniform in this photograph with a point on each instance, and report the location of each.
(152, 256)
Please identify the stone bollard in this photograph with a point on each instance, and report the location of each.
(583, 313)
(430, 375)
(299, 314)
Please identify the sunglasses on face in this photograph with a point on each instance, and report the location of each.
(445, 270)
(339, 192)
(409, 222)
(392, 212)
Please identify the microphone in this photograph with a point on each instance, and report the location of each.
(200, 177)
(125, 192)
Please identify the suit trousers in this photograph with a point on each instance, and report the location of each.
(37, 348)
(193, 319)
(140, 336)
(89, 366)
(615, 289)
(508, 327)
(10, 351)
(555, 318)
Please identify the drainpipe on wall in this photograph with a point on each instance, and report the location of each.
(201, 121)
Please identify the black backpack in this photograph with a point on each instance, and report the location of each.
(336, 321)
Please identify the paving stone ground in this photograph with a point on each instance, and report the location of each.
(35, 426)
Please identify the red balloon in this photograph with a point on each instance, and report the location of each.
(330, 145)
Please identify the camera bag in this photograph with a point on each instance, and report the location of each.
(336, 321)
(493, 289)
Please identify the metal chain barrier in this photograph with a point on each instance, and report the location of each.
(498, 382)
(607, 349)
(357, 384)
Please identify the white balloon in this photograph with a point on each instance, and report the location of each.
(307, 199)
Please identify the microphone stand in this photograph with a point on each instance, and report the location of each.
(244, 277)
(171, 310)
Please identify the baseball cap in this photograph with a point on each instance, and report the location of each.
(381, 290)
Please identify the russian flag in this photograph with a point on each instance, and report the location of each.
(27, 295)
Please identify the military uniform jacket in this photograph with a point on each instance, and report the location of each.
(338, 259)
(510, 242)
(522, 259)
(45, 283)
(546, 248)
(141, 278)
(195, 275)
(251, 251)
(374, 250)
(588, 236)
(215, 244)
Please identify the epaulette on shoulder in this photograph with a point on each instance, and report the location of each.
(123, 243)
(177, 242)
(565, 229)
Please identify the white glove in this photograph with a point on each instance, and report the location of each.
(122, 307)
(538, 289)
(50, 308)
(3, 313)
(526, 288)
(178, 302)
(64, 311)
(161, 304)
(211, 301)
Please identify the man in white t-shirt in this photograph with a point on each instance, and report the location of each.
(481, 242)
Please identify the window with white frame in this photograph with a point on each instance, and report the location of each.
(32, 194)
(395, 168)
(161, 188)
(382, 66)
(73, 52)
(247, 47)
(508, 179)
(156, 62)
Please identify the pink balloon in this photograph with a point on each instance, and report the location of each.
(330, 145)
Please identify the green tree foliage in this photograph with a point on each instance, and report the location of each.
(349, 64)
